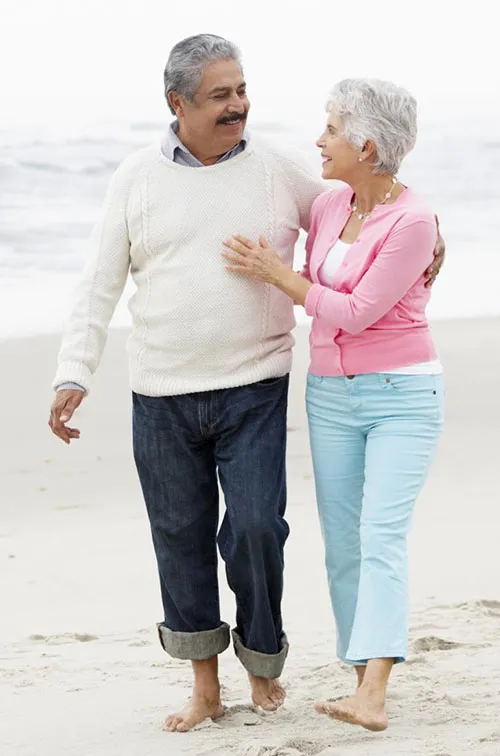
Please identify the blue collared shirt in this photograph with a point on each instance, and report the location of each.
(175, 150)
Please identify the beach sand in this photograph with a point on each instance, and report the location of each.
(81, 672)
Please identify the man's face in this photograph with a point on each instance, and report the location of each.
(215, 120)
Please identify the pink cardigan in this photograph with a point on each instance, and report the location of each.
(372, 318)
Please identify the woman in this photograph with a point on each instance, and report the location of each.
(374, 388)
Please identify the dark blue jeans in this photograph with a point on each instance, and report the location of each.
(182, 446)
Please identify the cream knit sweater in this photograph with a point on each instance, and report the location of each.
(196, 327)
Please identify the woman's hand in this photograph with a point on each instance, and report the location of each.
(258, 261)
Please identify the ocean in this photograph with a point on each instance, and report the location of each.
(52, 184)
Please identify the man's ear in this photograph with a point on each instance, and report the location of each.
(176, 101)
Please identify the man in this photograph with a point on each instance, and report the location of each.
(210, 356)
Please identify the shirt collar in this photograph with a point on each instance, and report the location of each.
(171, 143)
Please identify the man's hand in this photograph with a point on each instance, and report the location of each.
(62, 409)
(439, 251)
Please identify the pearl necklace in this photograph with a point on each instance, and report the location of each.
(388, 195)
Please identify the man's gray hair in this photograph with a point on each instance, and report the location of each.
(189, 58)
(380, 111)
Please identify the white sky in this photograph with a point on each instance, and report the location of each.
(66, 60)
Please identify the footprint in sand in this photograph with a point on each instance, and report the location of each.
(268, 751)
(306, 747)
(295, 747)
(65, 638)
(140, 643)
(493, 738)
(492, 606)
(242, 714)
(433, 643)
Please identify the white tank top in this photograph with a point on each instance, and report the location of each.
(326, 273)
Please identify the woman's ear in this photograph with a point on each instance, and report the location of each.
(369, 150)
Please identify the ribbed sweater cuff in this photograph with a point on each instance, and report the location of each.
(73, 372)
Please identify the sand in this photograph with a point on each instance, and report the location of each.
(81, 672)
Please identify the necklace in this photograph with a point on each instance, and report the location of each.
(388, 195)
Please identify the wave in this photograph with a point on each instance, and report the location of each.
(102, 168)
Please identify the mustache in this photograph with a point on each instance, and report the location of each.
(235, 116)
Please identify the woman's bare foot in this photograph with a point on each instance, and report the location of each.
(364, 708)
(197, 710)
(360, 673)
(267, 694)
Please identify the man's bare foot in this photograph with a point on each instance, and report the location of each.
(197, 710)
(364, 708)
(205, 702)
(267, 694)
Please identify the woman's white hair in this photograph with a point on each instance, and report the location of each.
(380, 111)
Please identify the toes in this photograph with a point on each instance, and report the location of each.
(278, 696)
(345, 715)
(267, 694)
(333, 710)
(277, 701)
(341, 711)
(321, 707)
(269, 705)
(170, 724)
(265, 703)
(183, 726)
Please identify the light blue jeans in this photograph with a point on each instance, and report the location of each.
(372, 441)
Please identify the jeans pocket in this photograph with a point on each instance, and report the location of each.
(407, 384)
(420, 392)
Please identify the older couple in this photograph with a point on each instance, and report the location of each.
(210, 354)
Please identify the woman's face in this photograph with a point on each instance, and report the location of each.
(340, 159)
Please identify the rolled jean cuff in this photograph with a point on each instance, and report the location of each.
(269, 666)
(194, 646)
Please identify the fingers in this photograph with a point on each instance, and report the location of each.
(439, 250)
(61, 411)
(244, 241)
(59, 430)
(238, 246)
(430, 275)
(233, 257)
(241, 270)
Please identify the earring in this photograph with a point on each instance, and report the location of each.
(360, 160)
